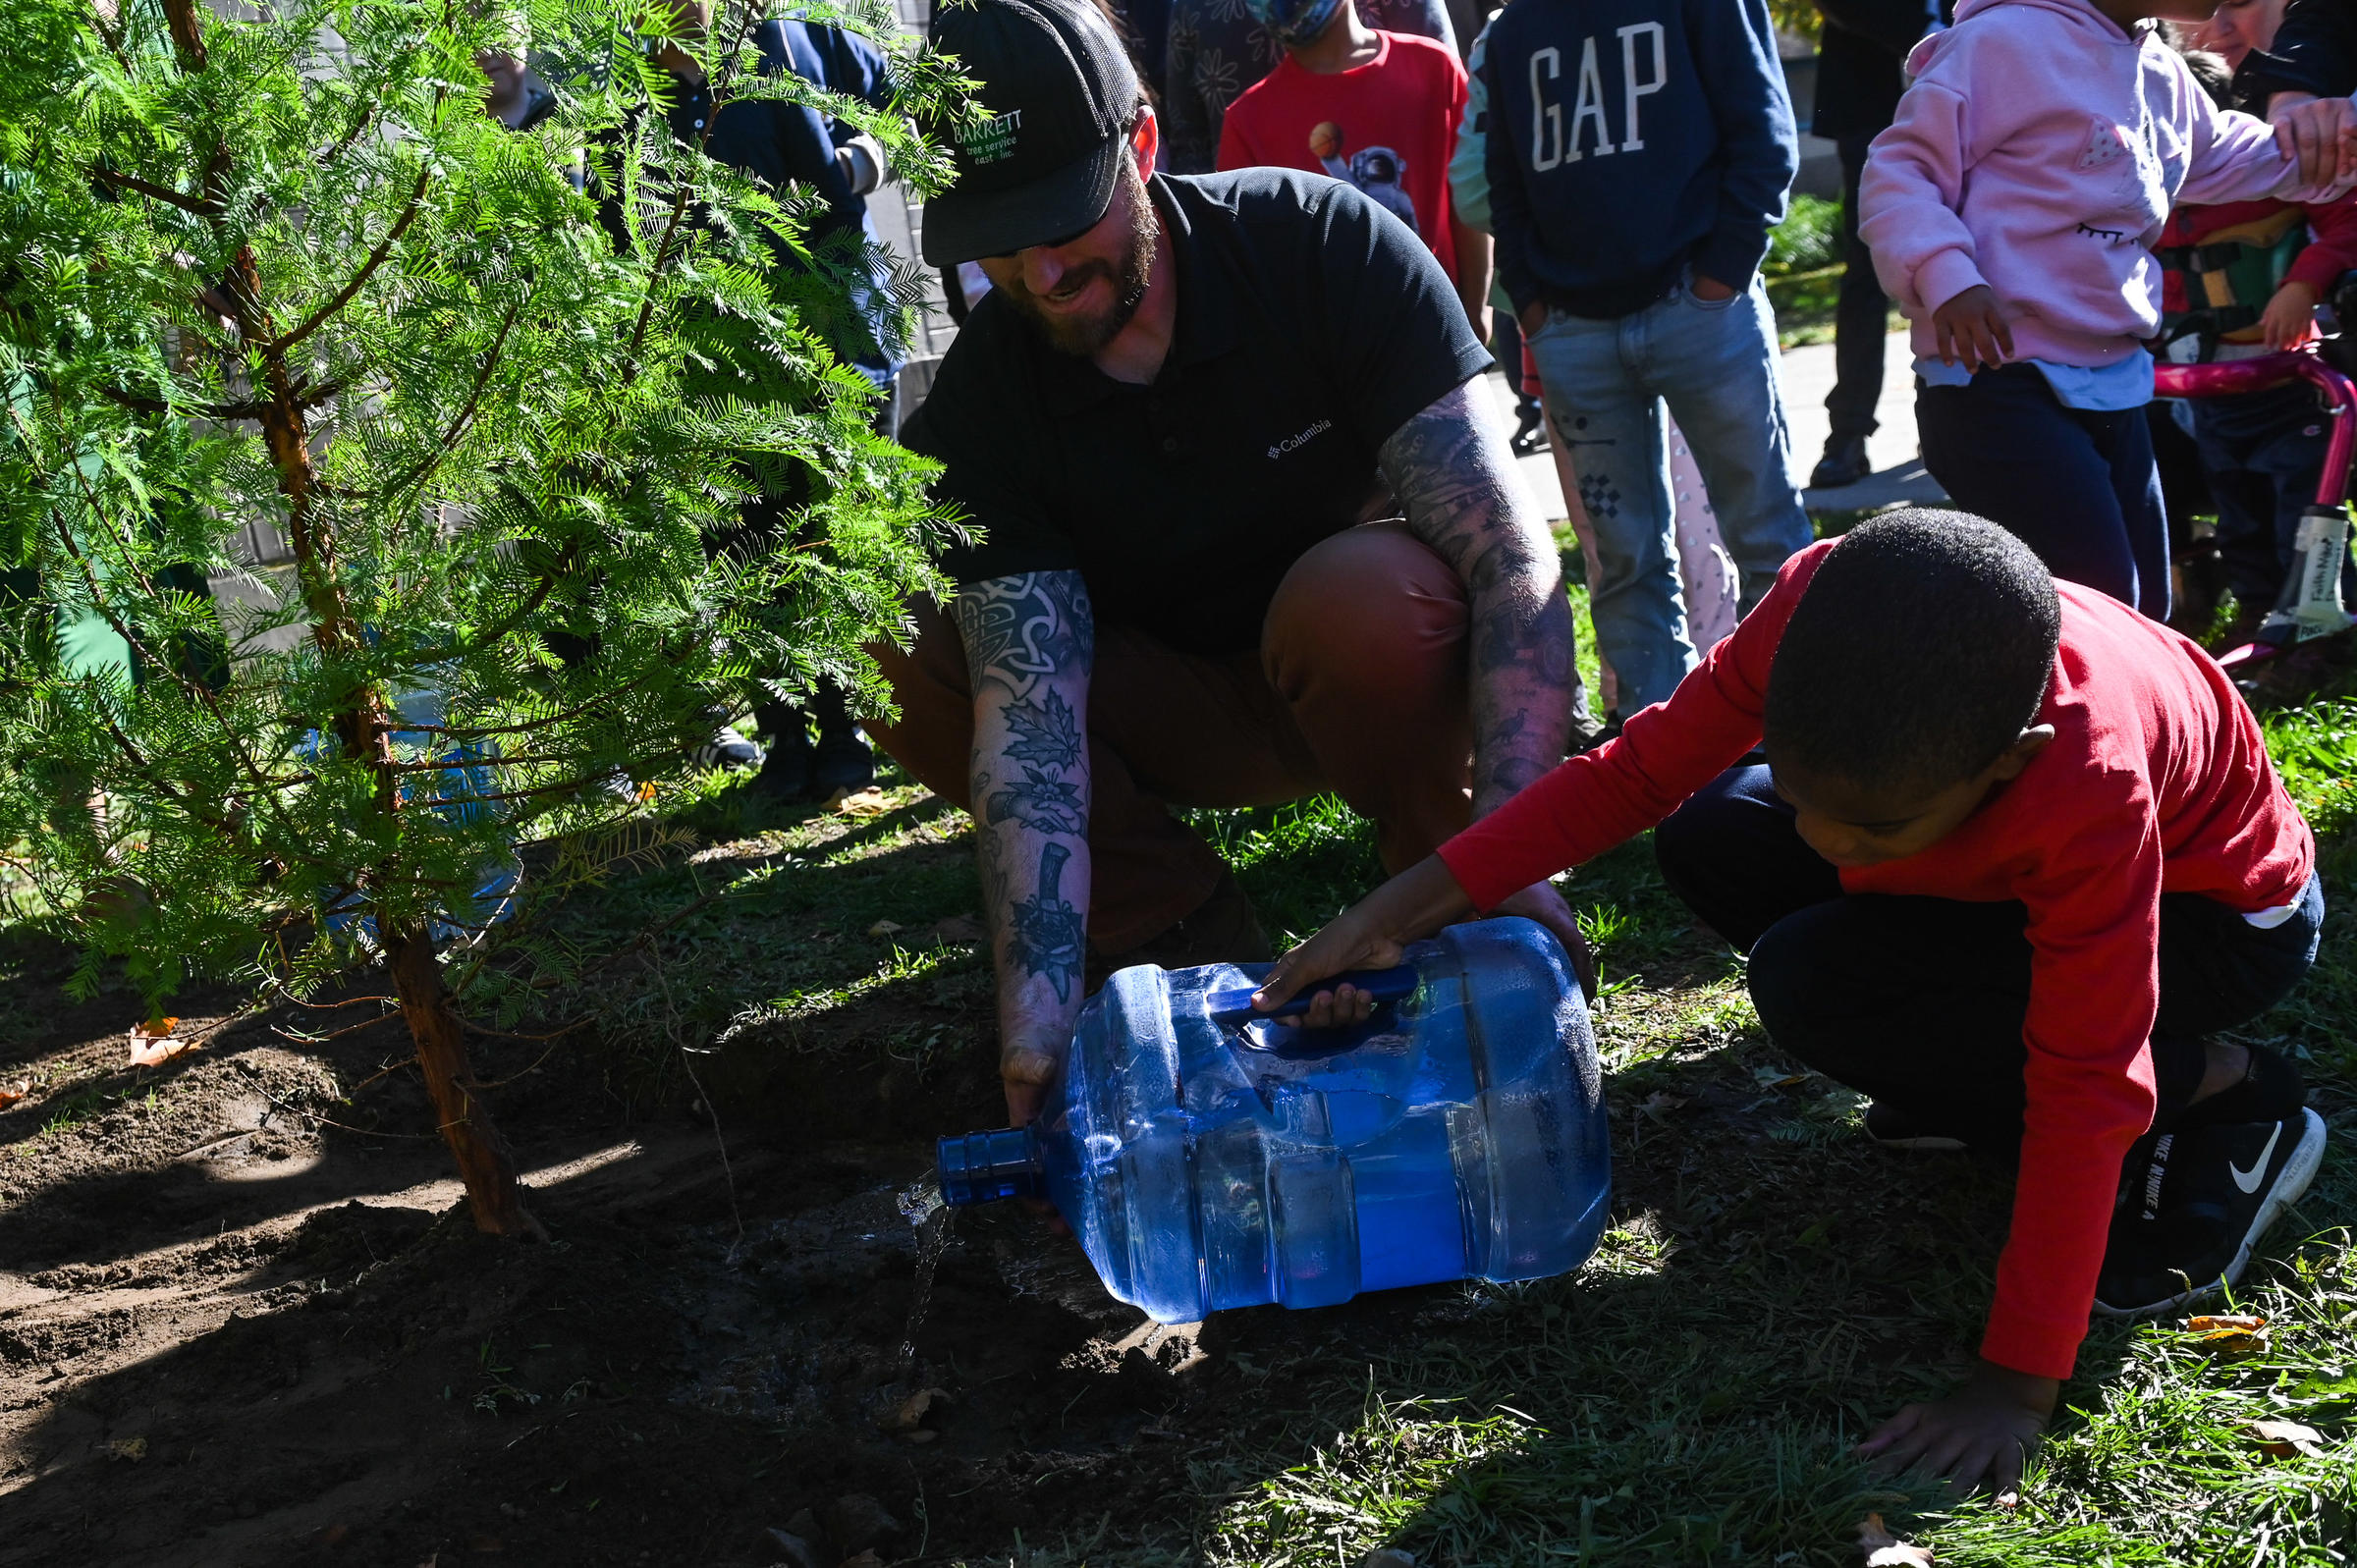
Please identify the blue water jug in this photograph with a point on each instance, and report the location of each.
(1208, 1157)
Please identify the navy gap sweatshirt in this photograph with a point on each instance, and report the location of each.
(1629, 139)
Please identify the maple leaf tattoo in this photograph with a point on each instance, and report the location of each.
(1047, 733)
(1047, 802)
(1046, 934)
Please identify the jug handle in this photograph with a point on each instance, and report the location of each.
(1235, 1006)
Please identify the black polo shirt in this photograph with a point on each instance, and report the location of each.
(1312, 324)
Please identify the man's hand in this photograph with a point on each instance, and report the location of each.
(1532, 316)
(1030, 1063)
(1709, 289)
(2319, 135)
(1984, 1432)
(1541, 902)
(2290, 315)
(1972, 331)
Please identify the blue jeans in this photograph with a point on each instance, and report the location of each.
(1714, 364)
(2076, 485)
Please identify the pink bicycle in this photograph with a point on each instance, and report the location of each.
(2310, 605)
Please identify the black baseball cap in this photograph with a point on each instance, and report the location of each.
(1058, 96)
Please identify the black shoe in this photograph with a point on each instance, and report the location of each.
(1893, 1128)
(2193, 1203)
(785, 772)
(1222, 929)
(840, 766)
(1530, 434)
(1844, 464)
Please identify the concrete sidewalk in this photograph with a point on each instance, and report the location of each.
(1898, 474)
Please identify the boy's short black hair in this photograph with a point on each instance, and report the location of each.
(1919, 652)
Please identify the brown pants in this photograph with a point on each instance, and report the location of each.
(1360, 686)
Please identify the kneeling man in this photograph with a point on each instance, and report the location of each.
(1172, 421)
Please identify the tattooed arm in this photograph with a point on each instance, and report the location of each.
(1031, 643)
(1463, 498)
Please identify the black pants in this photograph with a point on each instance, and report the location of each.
(2264, 451)
(2076, 485)
(1861, 314)
(1919, 1002)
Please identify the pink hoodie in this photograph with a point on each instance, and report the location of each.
(2039, 152)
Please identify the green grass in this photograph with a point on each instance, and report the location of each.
(1803, 271)
(1772, 1285)
(1774, 1288)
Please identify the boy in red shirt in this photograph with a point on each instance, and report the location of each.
(2012, 853)
(1377, 110)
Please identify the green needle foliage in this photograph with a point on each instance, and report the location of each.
(506, 395)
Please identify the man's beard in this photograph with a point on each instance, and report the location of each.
(1082, 336)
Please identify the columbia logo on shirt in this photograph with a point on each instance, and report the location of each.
(1294, 443)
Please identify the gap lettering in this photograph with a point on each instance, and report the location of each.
(1549, 145)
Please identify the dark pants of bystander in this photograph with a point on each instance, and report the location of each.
(1861, 313)
(1920, 1002)
(2076, 485)
(2264, 451)
(1360, 686)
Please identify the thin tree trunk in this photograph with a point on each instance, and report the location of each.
(484, 1163)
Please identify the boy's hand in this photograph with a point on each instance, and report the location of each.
(1532, 316)
(1982, 1431)
(2288, 315)
(1972, 331)
(1369, 935)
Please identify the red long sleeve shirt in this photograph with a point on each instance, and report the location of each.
(2157, 782)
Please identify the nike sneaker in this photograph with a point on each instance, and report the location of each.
(2193, 1203)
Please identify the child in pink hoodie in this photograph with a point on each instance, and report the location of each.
(2012, 209)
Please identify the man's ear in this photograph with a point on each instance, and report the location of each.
(1145, 140)
(2017, 756)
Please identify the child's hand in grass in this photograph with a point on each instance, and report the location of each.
(1969, 330)
(1984, 1432)
(2288, 315)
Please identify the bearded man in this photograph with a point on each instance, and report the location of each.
(1245, 533)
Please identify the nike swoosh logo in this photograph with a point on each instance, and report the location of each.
(2248, 1180)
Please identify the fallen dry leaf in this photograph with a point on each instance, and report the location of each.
(10, 1093)
(151, 1044)
(2284, 1439)
(134, 1450)
(2238, 1334)
(869, 803)
(1660, 1104)
(2007, 1500)
(885, 928)
(1883, 1549)
(956, 929)
(909, 1413)
(866, 1559)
